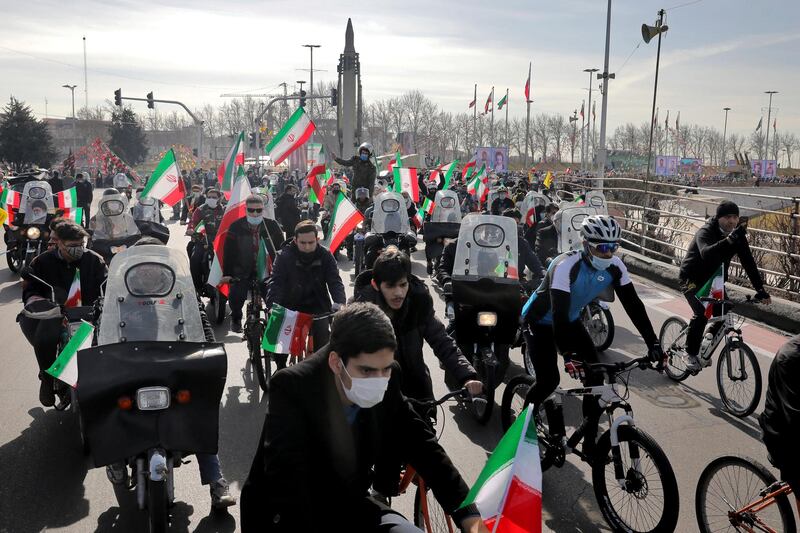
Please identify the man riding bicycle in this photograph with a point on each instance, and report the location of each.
(713, 247)
(208, 216)
(552, 313)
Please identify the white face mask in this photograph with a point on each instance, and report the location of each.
(365, 392)
(601, 263)
(211, 202)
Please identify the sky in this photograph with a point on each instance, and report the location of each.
(716, 53)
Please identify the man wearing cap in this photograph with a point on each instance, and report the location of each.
(713, 246)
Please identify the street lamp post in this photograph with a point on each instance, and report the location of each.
(591, 72)
(72, 90)
(311, 69)
(766, 142)
(605, 76)
(724, 136)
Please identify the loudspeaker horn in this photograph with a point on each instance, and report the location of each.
(648, 32)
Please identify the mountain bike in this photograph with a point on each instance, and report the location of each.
(737, 493)
(634, 483)
(738, 372)
(254, 326)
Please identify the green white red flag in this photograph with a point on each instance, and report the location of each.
(165, 183)
(502, 102)
(425, 209)
(479, 184)
(76, 214)
(67, 199)
(317, 182)
(297, 130)
(74, 294)
(508, 492)
(226, 173)
(235, 210)
(468, 169)
(263, 261)
(714, 288)
(287, 331)
(446, 170)
(406, 179)
(10, 200)
(344, 219)
(396, 162)
(65, 367)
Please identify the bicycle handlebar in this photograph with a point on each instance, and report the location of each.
(621, 366)
(430, 404)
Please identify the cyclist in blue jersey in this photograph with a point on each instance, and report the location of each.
(552, 314)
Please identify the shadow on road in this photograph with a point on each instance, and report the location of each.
(42, 472)
(127, 518)
(240, 424)
(747, 425)
(12, 291)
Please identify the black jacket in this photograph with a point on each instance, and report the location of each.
(546, 241)
(287, 213)
(240, 251)
(51, 268)
(364, 173)
(414, 325)
(526, 258)
(710, 249)
(498, 205)
(305, 284)
(83, 190)
(312, 470)
(780, 420)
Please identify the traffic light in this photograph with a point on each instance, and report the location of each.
(302, 98)
(252, 139)
(334, 97)
(118, 97)
(150, 103)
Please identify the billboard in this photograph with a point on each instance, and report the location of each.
(764, 168)
(495, 158)
(666, 165)
(690, 165)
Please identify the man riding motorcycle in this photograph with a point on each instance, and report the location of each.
(364, 171)
(502, 202)
(208, 216)
(71, 269)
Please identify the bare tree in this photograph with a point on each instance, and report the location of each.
(789, 143)
(560, 132)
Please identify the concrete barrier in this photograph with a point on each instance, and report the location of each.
(781, 314)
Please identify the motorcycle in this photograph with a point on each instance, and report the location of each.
(444, 224)
(113, 229)
(390, 227)
(147, 216)
(28, 235)
(485, 298)
(150, 390)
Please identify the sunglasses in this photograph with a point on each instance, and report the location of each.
(605, 247)
(254, 209)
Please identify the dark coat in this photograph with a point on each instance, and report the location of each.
(83, 191)
(710, 249)
(364, 173)
(414, 325)
(287, 213)
(546, 241)
(780, 420)
(240, 252)
(59, 273)
(309, 453)
(305, 285)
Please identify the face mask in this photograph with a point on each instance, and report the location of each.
(363, 157)
(601, 263)
(75, 252)
(254, 221)
(212, 202)
(365, 392)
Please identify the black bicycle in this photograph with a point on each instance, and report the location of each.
(254, 326)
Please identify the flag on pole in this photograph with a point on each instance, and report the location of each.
(65, 367)
(528, 85)
(74, 295)
(234, 211)
(76, 214)
(293, 135)
(758, 128)
(200, 229)
(502, 101)
(344, 219)
(448, 170)
(479, 185)
(775, 124)
(226, 173)
(425, 209)
(165, 183)
(472, 103)
(468, 169)
(714, 288)
(287, 331)
(263, 261)
(508, 492)
(582, 104)
(488, 102)
(655, 119)
(10, 200)
(405, 179)
(68, 198)
(666, 121)
(678, 122)
(317, 189)
(548, 180)
(594, 105)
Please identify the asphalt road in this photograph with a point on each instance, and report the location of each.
(46, 483)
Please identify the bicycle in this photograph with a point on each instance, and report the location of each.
(741, 395)
(617, 461)
(740, 494)
(253, 332)
(599, 323)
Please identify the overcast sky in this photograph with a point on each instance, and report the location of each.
(717, 53)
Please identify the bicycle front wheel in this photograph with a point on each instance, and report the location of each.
(672, 338)
(258, 357)
(730, 483)
(481, 406)
(738, 379)
(599, 322)
(649, 501)
(429, 515)
(513, 401)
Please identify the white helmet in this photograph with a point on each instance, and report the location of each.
(600, 228)
(365, 146)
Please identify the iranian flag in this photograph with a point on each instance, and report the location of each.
(405, 179)
(293, 135)
(425, 209)
(75, 215)
(396, 162)
(714, 288)
(528, 85)
(233, 211)
(287, 331)
(263, 261)
(65, 367)
(446, 169)
(316, 183)
(74, 295)
(344, 219)
(468, 169)
(10, 200)
(508, 491)
(67, 199)
(479, 184)
(488, 102)
(165, 183)
(502, 102)
(226, 173)
(200, 229)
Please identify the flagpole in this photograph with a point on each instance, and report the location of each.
(492, 128)
(506, 106)
(474, 120)
(528, 116)
(583, 134)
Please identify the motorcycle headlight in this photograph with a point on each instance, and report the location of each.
(118, 249)
(487, 319)
(33, 233)
(152, 398)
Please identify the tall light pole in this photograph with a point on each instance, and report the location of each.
(605, 76)
(766, 142)
(724, 135)
(591, 72)
(72, 90)
(311, 71)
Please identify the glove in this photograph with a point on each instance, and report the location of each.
(761, 294)
(738, 234)
(575, 369)
(657, 355)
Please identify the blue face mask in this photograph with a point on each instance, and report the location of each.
(254, 221)
(363, 157)
(601, 263)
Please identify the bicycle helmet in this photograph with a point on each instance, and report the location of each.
(600, 228)
(365, 146)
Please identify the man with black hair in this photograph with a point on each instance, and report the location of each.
(546, 235)
(84, 193)
(68, 263)
(324, 445)
(306, 278)
(526, 257)
(713, 247)
(502, 202)
(406, 301)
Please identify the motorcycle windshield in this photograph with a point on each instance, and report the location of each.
(487, 248)
(146, 210)
(113, 220)
(446, 207)
(36, 202)
(390, 214)
(570, 227)
(597, 200)
(150, 297)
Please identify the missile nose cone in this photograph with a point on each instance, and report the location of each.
(349, 45)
